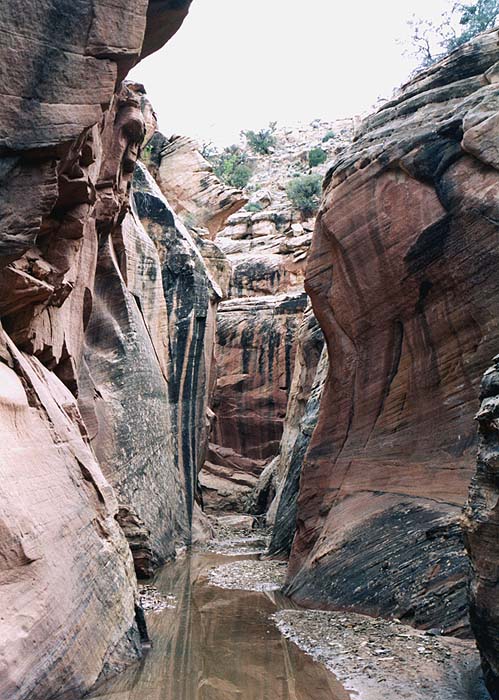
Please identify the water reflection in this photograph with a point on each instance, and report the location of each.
(219, 645)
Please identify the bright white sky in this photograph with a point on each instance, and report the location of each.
(237, 65)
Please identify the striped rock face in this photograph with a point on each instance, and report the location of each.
(69, 137)
(402, 276)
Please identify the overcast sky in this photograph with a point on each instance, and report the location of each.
(236, 64)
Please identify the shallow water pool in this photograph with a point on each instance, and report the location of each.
(219, 644)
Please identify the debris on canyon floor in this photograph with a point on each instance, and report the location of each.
(153, 600)
(374, 658)
(235, 535)
(249, 575)
(382, 659)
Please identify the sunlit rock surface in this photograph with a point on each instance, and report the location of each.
(402, 275)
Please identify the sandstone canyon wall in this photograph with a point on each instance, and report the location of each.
(95, 306)
(481, 522)
(255, 351)
(402, 276)
(263, 376)
(310, 373)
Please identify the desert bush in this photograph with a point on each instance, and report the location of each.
(328, 136)
(261, 141)
(305, 193)
(254, 207)
(230, 165)
(240, 176)
(316, 156)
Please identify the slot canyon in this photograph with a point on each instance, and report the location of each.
(249, 449)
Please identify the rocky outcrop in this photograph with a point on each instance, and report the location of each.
(402, 279)
(300, 423)
(83, 350)
(255, 357)
(187, 180)
(481, 523)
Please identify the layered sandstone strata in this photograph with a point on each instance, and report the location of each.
(402, 275)
(255, 349)
(227, 479)
(309, 342)
(255, 355)
(83, 317)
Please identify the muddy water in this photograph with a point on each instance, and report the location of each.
(219, 644)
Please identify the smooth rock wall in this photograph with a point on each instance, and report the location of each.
(402, 275)
(71, 291)
(66, 573)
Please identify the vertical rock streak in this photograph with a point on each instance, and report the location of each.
(88, 441)
(400, 275)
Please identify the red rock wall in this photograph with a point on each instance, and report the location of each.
(69, 138)
(66, 574)
(255, 351)
(255, 358)
(402, 276)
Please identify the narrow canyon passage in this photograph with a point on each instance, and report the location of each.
(221, 629)
(249, 393)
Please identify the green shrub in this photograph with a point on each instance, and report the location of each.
(231, 166)
(305, 193)
(240, 176)
(327, 137)
(317, 156)
(261, 141)
(254, 207)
